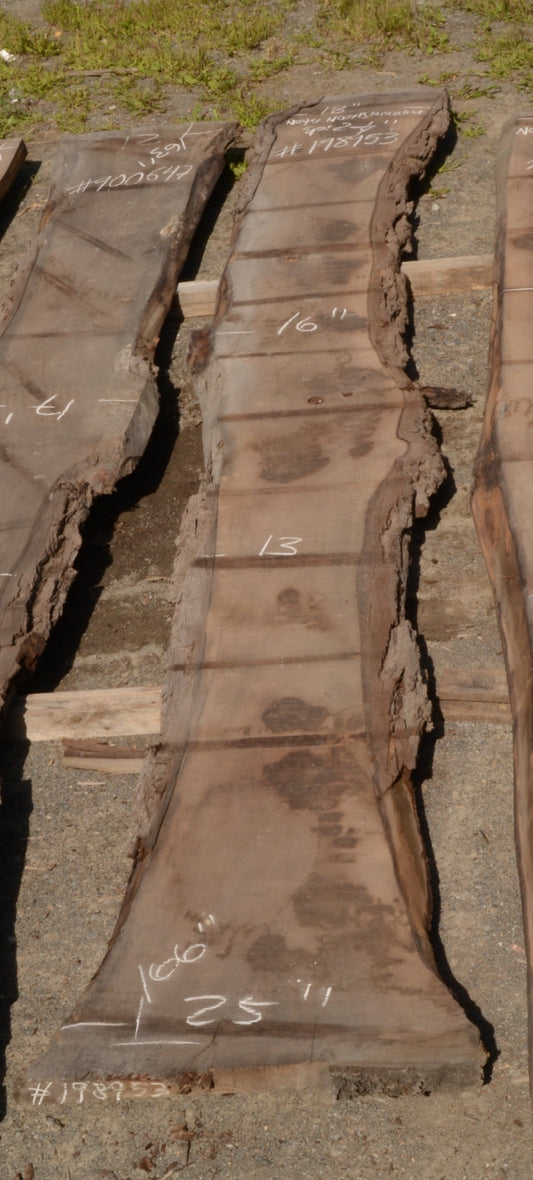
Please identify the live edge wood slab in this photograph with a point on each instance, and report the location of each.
(502, 499)
(77, 341)
(276, 921)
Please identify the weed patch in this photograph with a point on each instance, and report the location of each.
(99, 56)
(97, 61)
(389, 24)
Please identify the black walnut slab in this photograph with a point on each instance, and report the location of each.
(502, 494)
(276, 922)
(77, 341)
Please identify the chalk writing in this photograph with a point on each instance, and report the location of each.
(341, 135)
(101, 1091)
(201, 1010)
(46, 409)
(165, 970)
(205, 1004)
(371, 139)
(158, 150)
(248, 1004)
(287, 547)
(527, 130)
(134, 180)
(347, 114)
(198, 1018)
(289, 150)
(306, 324)
(325, 992)
(345, 127)
(303, 325)
(519, 405)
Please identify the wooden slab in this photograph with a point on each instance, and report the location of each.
(278, 912)
(13, 152)
(84, 713)
(502, 501)
(120, 712)
(78, 336)
(469, 272)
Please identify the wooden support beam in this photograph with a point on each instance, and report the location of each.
(427, 276)
(101, 756)
(13, 152)
(471, 272)
(478, 694)
(84, 713)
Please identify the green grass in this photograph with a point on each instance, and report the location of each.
(18, 37)
(504, 38)
(505, 10)
(124, 55)
(106, 33)
(509, 56)
(94, 62)
(377, 27)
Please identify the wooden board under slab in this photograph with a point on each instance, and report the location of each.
(13, 152)
(426, 276)
(277, 915)
(77, 340)
(503, 495)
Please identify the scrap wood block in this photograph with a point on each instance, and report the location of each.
(13, 152)
(77, 341)
(277, 916)
(502, 499)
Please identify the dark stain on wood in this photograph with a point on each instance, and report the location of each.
(291, 713)
(292, 457)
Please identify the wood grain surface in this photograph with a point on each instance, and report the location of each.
(278, 912)
(502, 495)
(77, 341)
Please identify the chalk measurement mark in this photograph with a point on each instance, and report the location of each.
(138, 1020)
(143, 981)
(95, 1024)
(288, 547)
(47, 408)
(219, 1001)
(167, 1041)
(306, 324)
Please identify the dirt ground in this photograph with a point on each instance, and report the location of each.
(65, 834)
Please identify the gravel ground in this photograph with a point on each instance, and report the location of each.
(65, 834)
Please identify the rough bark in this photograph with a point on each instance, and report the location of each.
(80, 327)
(502, 494)
(277, 916)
